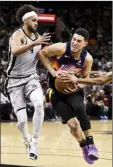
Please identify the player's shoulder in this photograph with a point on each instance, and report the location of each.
(18, 32)
(89, 56)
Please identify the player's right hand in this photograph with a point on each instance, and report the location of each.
(62, 73)
(56, 74)
(44, 39)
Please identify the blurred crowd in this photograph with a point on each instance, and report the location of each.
(97, 19)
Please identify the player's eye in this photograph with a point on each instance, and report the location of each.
(79, 41)
(34, 20)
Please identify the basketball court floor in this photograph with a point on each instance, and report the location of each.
(57, 148)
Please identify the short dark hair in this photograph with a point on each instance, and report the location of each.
(25, 9)
(83, 32)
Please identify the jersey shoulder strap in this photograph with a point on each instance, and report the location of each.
(67, 51)
(83, 56)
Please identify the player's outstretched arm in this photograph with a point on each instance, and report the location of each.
(18, 42)
(95, 81)
(56, 49)
(89, 81)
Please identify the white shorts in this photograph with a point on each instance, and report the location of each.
(19, 89)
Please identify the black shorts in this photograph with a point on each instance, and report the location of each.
(68, 106)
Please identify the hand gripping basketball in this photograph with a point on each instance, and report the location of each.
(61, 86)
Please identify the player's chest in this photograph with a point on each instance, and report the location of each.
(70, 61)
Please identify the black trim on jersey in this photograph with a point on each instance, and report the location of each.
(21, 108)
(9, 56)
(20, 77)
(29, 37)
(12, 65)
(6, 91)
(26, 40)
(32, 91)
(68, 49)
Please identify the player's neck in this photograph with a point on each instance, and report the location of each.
(28, 33)
(76, 55)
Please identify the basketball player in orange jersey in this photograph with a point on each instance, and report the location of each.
(71, 107)
(101, 80)
(22, 79)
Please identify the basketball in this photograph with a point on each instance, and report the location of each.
(60, 85)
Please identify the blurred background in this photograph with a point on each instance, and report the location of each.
(63, 18)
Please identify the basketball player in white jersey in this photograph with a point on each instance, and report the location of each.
(22, 79)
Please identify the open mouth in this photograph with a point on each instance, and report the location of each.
(74, 48)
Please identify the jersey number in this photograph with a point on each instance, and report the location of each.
(31, 50)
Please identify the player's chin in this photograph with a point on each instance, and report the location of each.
(74, 50)
(35, 29)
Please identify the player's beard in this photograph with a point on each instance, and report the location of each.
(31, 29)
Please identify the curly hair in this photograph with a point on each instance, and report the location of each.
(24, 9)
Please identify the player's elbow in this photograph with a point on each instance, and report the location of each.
(41, 54)
(14, 53)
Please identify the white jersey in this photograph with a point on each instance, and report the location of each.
(24, 64)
